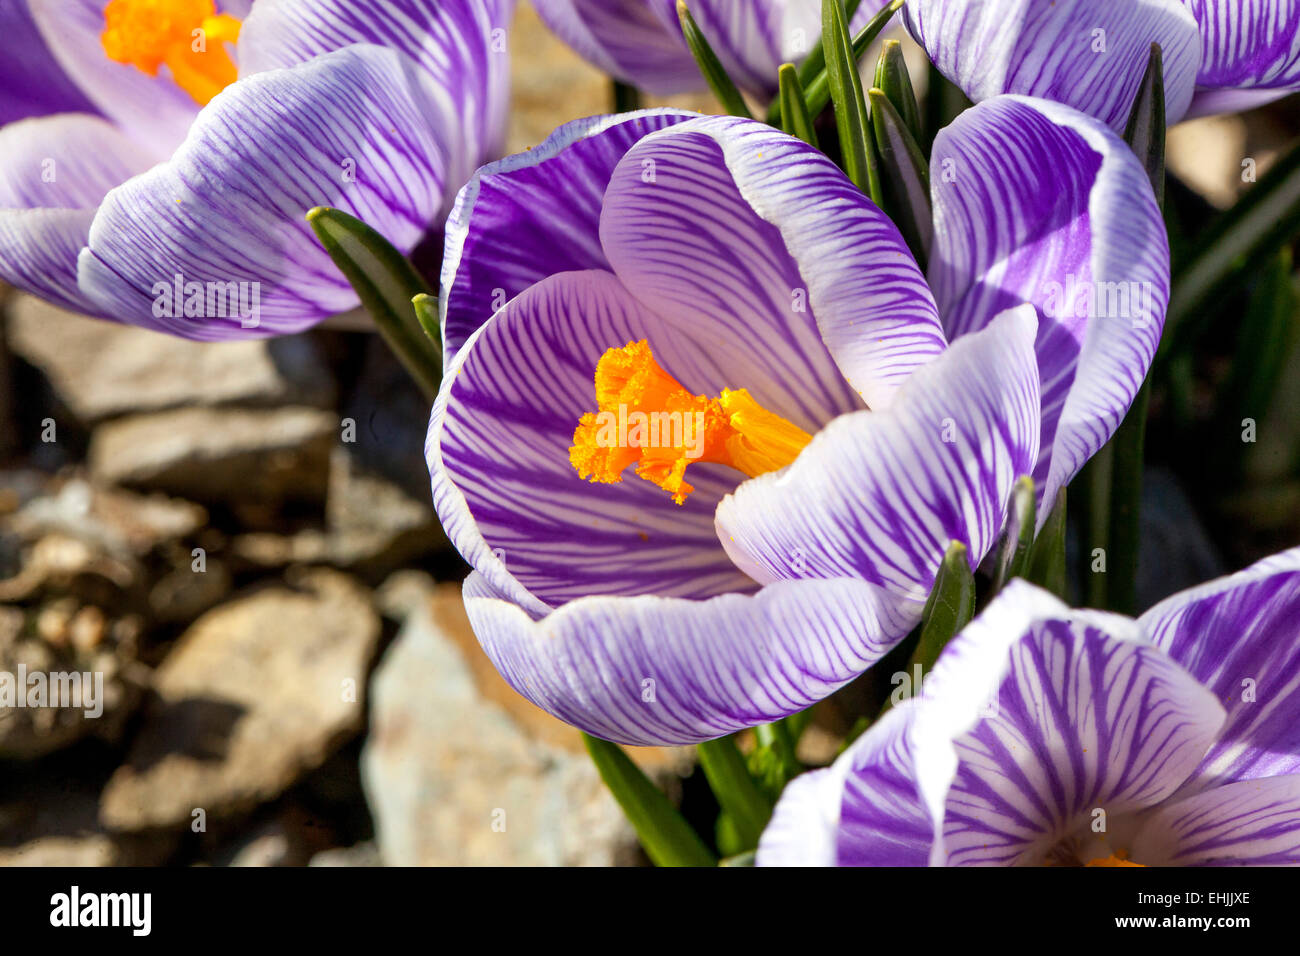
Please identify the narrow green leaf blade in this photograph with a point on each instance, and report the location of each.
(851, 118)
(1047, 563)
(386, 282)
(1145, 133)
(666, 836)
(795, 118)
(812, 72)
(714, 73)
(738, 795)
(893, 80)
(1251, 232)
(1013, 562)
(904, 178)
(950, 607)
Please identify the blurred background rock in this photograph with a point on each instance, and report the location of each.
(239, 537)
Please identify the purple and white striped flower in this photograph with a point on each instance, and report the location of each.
(1045, 735)
(743, 261)
(1219, 55)
(640, 41)
(121, 183)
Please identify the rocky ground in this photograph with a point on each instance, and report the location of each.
(238, 538)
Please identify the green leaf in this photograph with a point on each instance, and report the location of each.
(893, 80)
(666, 836)
(795, 118)
(737, 793)
(740, 859)
(710, 65)
(904, 178)
(1013, 562)
(772, 762)
(857, 152)
(1047, 563)
(1238, 242)
(812, 72)
(950, 607)
(386, 282)
(426, 313)
(1145, 133)
(944, 102)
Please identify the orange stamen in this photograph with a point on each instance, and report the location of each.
(647, 418)
(187, 36)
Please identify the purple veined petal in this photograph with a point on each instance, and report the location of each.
(730, 219)
(1035, 202)
(1248, 45)
(804, 826)
(1088, 54)
(752, 39)
(32, 83)
(1213, 102)
(342, 130)
(1240, 636)
(1249, 823)
(151, 109)
(880, 495)
(884, 820)
(533, 215)
(55, 173)
(680, 235)
(1038, 717)
(665, 671)
(631, 40)
(498, 451)
(458, 47)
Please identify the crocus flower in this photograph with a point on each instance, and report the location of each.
(660, 263)
(171, 178)
(640, 41)
(1219, 55)
(1050, 736)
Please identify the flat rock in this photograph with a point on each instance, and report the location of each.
(454, 778)
(220, 455)
(102, 369)
(256, 693)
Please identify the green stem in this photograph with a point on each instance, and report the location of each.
(668, 839)
(737, 793)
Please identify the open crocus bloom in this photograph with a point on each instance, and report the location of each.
(1057, 737)
(640, 41)
(661, 264)
(135, 201)
(1219, 55)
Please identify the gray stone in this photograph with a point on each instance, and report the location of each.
(256, 693)
(102, 369)
(452, 779)
(229, 455)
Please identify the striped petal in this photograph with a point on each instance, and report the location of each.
(1249, 48)
(880, 495)
(1035, 202)
(533, 215)
(663, 671)
(152, 110)
(498, 450)
(457, 47)
(1075, 712)
(1089, 54)
(730, 221)
(56, 171)
(1240, 636)
(1251, 823)
(344, 129)
(804, 826)
(32, 83)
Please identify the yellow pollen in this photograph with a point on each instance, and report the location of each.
(648, 419)
(188, 36)
(1118, 858)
